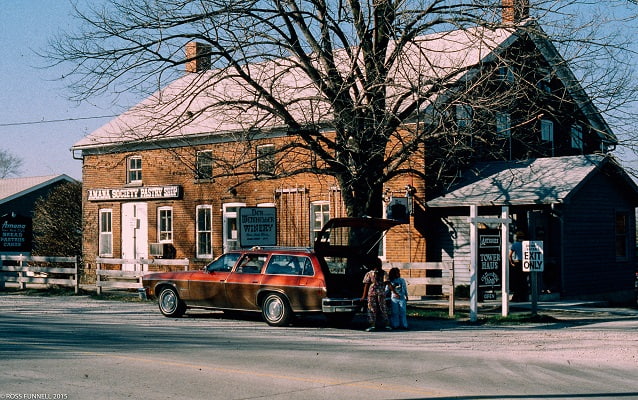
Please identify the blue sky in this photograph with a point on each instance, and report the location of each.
(30, 94)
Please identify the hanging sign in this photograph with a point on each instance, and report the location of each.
(489, 263)
(533, 260)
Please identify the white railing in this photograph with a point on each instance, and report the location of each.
(25, 273)
(122, 279)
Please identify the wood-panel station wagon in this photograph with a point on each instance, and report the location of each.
(279, 282)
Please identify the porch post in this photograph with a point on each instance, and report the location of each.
(473, 263)
(505, 276)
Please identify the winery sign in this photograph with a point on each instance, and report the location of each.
(136, 193)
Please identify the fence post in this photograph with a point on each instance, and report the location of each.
(77, 275)
(97, 279)
(451, 299)
(22, 274)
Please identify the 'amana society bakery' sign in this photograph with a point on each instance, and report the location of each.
(136, 193)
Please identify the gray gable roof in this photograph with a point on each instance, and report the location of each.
(533, 181)
(13, 188)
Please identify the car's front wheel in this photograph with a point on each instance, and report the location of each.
(276, 311)
(170, 304)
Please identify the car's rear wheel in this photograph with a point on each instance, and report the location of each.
(276, 311)
(170, 304)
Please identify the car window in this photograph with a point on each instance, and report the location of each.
(289, 265)
(251, 264)
(224, 263)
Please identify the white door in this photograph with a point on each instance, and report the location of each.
(230, 225)
(134, 233)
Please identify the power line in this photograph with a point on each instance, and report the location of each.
(50, 121)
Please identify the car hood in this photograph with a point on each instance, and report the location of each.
(179, 275)
(347, 237)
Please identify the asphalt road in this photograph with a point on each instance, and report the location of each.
(80, 348)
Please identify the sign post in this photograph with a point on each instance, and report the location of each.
(533, 262)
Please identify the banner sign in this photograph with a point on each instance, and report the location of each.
(489, 263)
(15, 234)
(533, 259)
(136, 193)
(257, 226)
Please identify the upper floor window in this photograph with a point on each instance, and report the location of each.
(577, 137)
(505, 74)
(547, 130)
(319, 215)
(165, 224)
(463, 116)
(266, 159)
(105, 241)
(503, 124)
(134, 169)
(204, 165)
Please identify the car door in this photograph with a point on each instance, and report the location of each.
(244, 282)
(207, 287)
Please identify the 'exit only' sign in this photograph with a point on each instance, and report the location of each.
(533, 260)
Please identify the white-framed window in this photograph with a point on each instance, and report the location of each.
(204, 239)
(134, 169)
(464, 113)
(204, 165)
(577, 137)
(547, 130)
(265, 159)
(105, 241)
(319, 215)
(165, 224)
(503, 124)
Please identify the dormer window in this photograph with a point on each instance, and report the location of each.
(134, 170)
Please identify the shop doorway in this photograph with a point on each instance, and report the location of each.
(134, 234)
(230, 225)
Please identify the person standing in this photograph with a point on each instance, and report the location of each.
(518, 278)
(374, 283)
(398, 299)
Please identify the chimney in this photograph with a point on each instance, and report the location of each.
(515, 11)
(197, 57)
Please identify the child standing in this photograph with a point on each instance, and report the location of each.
(398, 298)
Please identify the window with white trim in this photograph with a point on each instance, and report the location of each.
(204, 223)
(319, 215)
(547, 130)
(165, 224)
(134, 169)
(503, 125)
(577, 137)
(105, 241)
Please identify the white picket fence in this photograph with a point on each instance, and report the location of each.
(27, 272)
(122, 279)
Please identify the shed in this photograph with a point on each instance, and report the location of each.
(582, 207)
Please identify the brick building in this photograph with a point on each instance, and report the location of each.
(154, 183)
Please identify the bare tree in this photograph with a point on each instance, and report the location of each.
(362, 88)
(9, 164)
